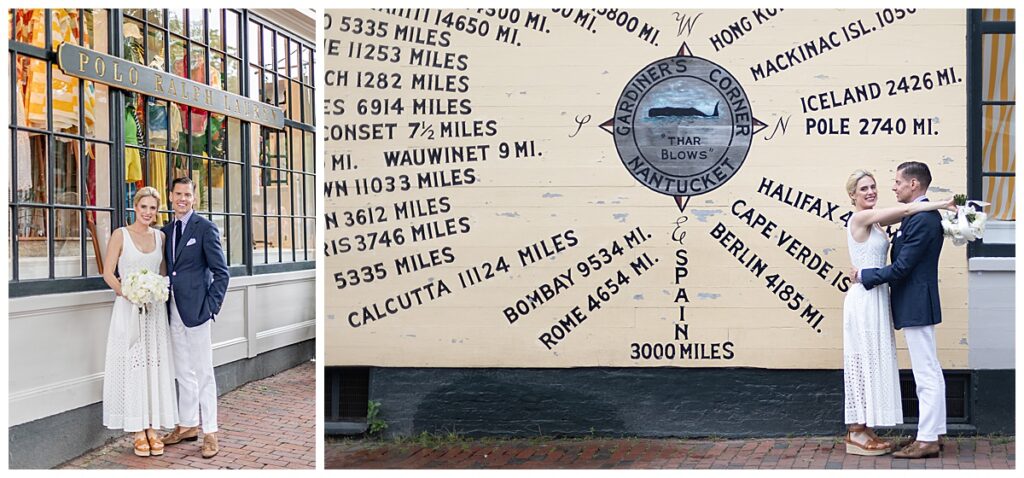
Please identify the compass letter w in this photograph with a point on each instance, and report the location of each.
(686, 23)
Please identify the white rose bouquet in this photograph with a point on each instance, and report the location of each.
(967, 223)
(144, 287)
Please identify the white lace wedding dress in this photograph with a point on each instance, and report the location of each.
(138, 382)
(869, 342)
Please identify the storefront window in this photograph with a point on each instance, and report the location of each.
(59, 200)
(71, 185)
(283, 220)
(173, 128)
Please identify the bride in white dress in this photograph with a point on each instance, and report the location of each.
(871, 376)
(138, 384)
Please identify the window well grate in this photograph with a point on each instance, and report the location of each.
(347, 391)
(958, 386)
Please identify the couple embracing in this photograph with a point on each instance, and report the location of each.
(902, 295)
(147, 352)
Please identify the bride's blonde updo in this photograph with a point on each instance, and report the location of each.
(146, 192)
(851, 184)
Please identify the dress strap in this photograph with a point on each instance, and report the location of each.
(128, 237)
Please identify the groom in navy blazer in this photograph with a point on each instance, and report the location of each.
(913, 278)
(199, 281)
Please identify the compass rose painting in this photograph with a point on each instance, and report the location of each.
(620, 187)
(683, 126)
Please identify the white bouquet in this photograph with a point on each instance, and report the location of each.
(143, 287)
(967, 223)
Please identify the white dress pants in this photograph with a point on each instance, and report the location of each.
(931, 386)
(193, 369)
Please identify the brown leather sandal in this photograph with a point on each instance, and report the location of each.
(871, 433)
(142, 447)
(156, 447)
(871, 447)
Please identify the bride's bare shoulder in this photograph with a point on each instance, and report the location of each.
(115, 243)
(859, 218)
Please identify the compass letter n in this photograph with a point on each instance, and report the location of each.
(781, 124)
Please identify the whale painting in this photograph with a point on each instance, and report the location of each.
(680, 112)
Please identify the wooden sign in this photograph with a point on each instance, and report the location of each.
(609, 187)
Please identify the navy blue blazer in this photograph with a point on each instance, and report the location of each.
(199, 274)
(913, 274)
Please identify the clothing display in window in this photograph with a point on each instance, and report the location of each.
(81, 149)
(31, 29)
(90, 180)
(216, 175)
(157, 171)
(176, 130)
(132, 158)
(24, 150)
(32, 92)
(156, 114)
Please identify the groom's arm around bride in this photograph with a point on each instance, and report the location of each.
(912, 275)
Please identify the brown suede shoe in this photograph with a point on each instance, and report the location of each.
(919, 449)
(181, 434)
(210, 447)
(910, 441)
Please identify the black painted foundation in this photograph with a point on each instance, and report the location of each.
(642, 402)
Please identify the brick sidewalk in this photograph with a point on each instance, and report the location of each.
(268, 423)
(788, 453)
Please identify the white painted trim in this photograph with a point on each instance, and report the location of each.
(250, 331)
(285, 336)
(271, 279)
(228, 343)
(23, 406)
(1000, 232)
(20, 307)
(285, 329)
(52, 308)
(29, 306)
(301, 22)
(53, 387)
(992, 264)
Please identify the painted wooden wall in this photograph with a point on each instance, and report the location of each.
(511, 106)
